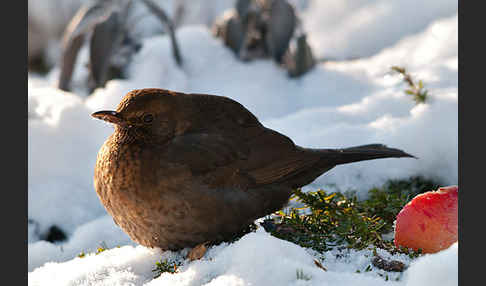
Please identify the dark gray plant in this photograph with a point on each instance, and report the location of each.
(111, 47)
(264, 29)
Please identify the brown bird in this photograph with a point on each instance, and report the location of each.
(184, 169)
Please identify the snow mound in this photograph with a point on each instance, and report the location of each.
(256, 259)
(348, 28)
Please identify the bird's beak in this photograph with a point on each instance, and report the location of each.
(109, 116)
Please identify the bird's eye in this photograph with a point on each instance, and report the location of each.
(147, 118)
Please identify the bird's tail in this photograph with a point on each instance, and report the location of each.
(362, 153)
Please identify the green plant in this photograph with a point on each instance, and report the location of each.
(103, 247)
(326, 221)
(301, 276)
(168, 266)
(331, 220)
(417, 90)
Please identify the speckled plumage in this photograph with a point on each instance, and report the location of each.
(183, 169)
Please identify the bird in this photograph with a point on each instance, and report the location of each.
(184, 169)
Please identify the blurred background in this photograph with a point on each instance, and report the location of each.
(326, 73)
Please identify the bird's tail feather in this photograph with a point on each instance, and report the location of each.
(361, 153)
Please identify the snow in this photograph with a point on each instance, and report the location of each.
(256, 259)
(360, 28)
(337, 104)
(422, 271)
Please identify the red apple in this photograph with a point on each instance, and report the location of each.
(428, 221)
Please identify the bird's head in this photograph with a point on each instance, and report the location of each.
(145, 114)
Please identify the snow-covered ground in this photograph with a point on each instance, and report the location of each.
(338, 104)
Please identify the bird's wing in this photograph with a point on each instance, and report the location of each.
(282, 168)
(203, 153)
(224, 134)
(274, 157)
(267, 158)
